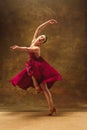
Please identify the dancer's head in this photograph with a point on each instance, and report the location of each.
(41, 39)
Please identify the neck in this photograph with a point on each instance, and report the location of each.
(33, 44)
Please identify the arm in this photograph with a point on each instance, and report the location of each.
(42, 26)
(28, 49)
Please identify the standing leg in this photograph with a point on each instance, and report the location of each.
(49, 98)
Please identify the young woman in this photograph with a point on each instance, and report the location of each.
(37, 72)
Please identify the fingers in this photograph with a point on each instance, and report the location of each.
(53, 21)
(13, 47)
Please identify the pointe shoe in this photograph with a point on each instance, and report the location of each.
(52, 111)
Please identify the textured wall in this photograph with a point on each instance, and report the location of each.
(66, 47)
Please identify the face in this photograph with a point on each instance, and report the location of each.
(41, 39)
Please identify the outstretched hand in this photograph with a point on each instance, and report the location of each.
(52, 21)
(13, 47)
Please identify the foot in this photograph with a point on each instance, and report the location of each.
(52, 112)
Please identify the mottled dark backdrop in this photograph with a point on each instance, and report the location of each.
(65, 50)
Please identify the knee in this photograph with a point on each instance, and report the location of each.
(43, 86)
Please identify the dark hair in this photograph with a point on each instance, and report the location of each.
(45, 39)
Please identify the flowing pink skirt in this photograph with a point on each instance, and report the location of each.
(40, 69)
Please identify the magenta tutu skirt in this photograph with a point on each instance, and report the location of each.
(40, 69)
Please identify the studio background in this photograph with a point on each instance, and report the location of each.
(65, 50)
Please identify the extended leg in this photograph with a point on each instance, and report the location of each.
(37, 87)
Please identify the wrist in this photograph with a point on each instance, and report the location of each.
(17, 47)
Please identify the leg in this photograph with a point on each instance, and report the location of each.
(36, 84)
(49, 98)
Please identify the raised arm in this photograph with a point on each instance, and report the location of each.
(26, 49)
(42, 26)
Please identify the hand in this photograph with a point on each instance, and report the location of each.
(13, 47)
(52, 21)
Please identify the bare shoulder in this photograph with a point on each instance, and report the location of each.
(34, 47)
